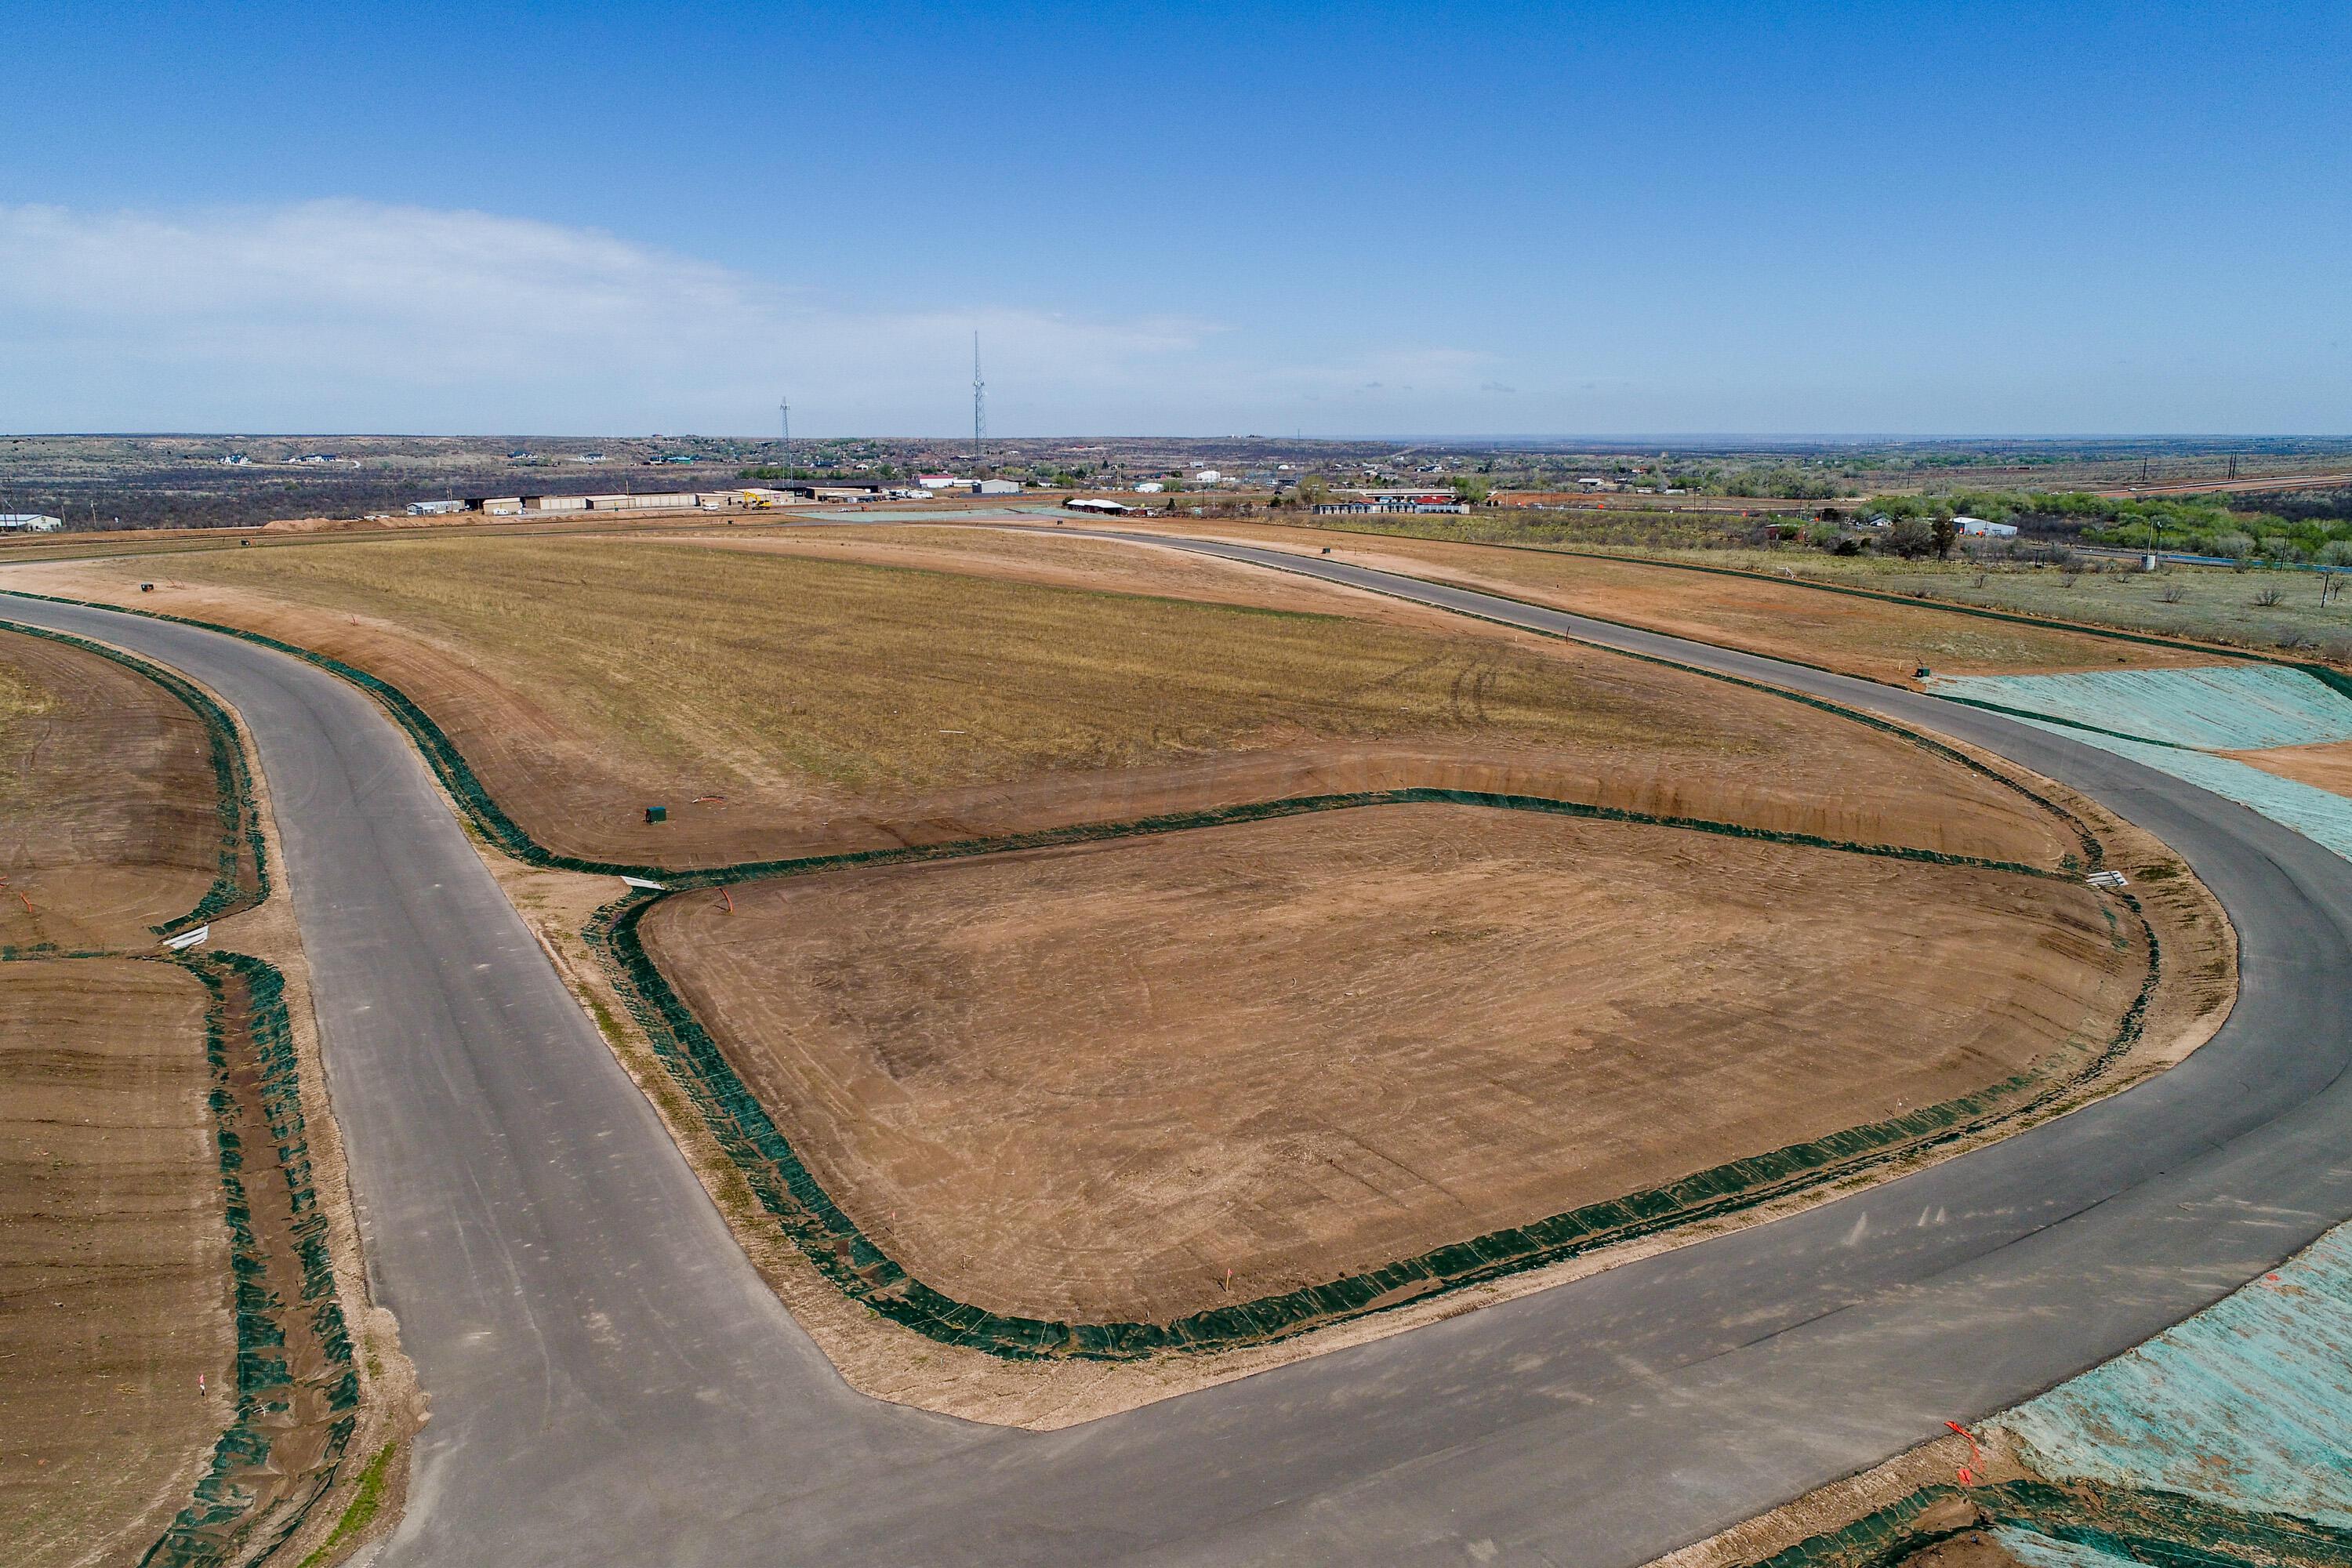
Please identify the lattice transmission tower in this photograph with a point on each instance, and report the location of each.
(979, 407)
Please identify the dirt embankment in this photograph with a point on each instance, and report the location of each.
(780, 707)
(2327, 766)
(1138, 1080)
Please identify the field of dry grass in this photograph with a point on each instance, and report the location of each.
(839, 704)
(1869, 638)
(1084, 1083)
(857, 677)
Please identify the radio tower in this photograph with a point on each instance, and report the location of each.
(785, 416)
(978, 406)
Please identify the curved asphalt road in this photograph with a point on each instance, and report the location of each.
(611, 1383)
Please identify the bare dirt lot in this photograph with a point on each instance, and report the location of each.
(1084, 1083)
(106, 828)
(113, 1258)
(783, 705)
(2327, 766)
(1870, 638)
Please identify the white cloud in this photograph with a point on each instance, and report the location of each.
(349, 315)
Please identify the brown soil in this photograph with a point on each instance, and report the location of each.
(1084, 1083)
(1973, 1549)
(1625, 733)
(106, 828)
(2326, 766)
(1857, 636)
(114, 1292)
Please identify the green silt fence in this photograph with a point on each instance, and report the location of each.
(833, 1243)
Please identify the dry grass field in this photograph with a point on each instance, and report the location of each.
(107, 819)
(1083, 1083)
(1869, 638)
(832, 704)
(113, 1258)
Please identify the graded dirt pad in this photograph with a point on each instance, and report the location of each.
(113, 1257)
(1869, 638)
(1082, 1084)
(107, 819)
(778, 705)
(2327, 766)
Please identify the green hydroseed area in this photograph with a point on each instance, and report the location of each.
(2079, 1526)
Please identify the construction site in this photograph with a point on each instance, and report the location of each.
(1086, 968)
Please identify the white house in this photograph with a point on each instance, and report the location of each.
(28, 522)
(937, 482)
(1208, 476)
(1980, 528)
(1149, 488)
(996, 487)
(1108, 508)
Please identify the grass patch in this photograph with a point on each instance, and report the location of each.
(367, 1501)
(856, 677)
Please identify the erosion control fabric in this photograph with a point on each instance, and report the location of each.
(2081, 1524)
(296, 1387)
(838, 1247)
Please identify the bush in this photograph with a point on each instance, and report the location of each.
(1910, 537)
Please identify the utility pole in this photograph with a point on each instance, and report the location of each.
(978, 410)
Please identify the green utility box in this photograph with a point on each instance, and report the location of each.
(656, 814)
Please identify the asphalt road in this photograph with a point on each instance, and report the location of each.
(611, 1383)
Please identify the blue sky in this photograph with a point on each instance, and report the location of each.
(1343, 219)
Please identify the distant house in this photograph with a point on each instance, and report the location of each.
(937, 482)
(1149, 488)
(996, 487)
(1980, 528)
(495, 506)
(1108, 508)
(435, 508)
(236, 460)
(1208, 476)
(28, 522)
